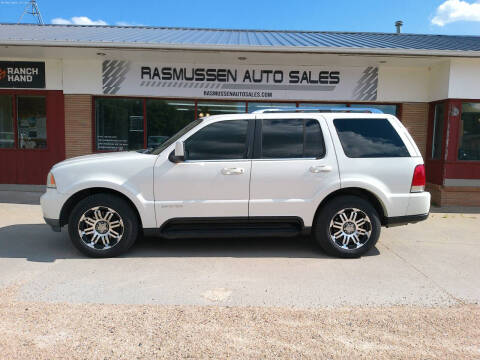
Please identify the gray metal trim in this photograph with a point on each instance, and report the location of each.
(462, 182)
(214, 47)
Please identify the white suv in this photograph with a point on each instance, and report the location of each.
(339, 174)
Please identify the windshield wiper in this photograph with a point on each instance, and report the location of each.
(145, 151)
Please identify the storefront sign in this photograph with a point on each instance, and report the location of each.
(240, 82)
(22, 74)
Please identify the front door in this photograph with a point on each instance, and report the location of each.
(294, 166)
(32, 136)
(214, 179)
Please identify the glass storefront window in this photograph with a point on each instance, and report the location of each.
(218, 108)
(119, 124)
(469, 134)
(320, 105)
(254, 106)
(386, 109)
(120, 121)
(32, 122)
(438, 121)
(165, 118)
(7, 134)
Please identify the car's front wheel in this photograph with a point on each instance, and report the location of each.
(103, 225)
(347, 226)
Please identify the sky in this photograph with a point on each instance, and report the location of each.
(419, 16)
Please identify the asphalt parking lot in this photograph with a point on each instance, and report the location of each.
(429, 266)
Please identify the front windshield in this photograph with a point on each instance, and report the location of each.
(175, 137)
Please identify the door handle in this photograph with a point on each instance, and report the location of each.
(320, 168)
(233, 171)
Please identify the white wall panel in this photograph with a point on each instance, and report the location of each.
(439, 79)
(464, 79)
(82, 77)
(398, 84)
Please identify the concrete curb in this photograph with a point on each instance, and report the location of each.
(26, 188)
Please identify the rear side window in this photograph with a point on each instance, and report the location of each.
(369, 138)
(291, 138)
(218, 141)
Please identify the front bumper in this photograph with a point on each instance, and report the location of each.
(52, 202)
(54, 224)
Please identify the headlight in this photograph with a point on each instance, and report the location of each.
(51, 181)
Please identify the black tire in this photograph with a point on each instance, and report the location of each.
(322, 231)
(124, 212)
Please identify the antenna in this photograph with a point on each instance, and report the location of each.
(31, 7)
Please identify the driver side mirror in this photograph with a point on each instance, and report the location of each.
(179, 149)
(178, 155)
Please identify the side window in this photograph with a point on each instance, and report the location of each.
(291, 138)
(314, 146)
(218, 141)
(369, 138)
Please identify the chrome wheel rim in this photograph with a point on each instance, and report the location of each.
(101, 228)
(350, 228)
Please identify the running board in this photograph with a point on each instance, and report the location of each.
(183, 228)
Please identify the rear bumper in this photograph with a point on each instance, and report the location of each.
(418, 203)
(404, 220)
(54, 224)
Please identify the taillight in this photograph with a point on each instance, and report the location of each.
(418, 181)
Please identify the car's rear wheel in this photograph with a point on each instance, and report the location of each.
(347, 226)
(103, 225)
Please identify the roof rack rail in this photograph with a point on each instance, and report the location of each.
(320, 109)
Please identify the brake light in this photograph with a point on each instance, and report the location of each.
(418, 181)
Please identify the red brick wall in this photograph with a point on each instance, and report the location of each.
(415, 118)
(78, 125)
(454, 195)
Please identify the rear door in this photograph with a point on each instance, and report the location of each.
(293, 167)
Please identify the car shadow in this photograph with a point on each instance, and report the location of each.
(37, 243)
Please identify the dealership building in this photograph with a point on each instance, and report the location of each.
(69, 90)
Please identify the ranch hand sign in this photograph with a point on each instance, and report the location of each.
(22, 74)
(240, 82)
